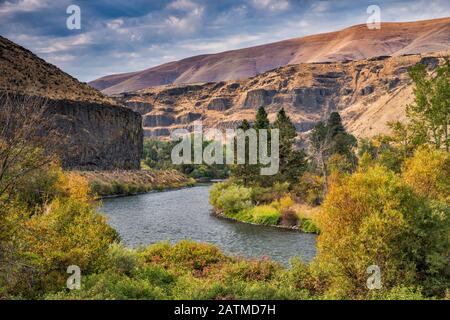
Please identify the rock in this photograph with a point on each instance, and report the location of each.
(98, 136)
(367, 90)
(158, 120)
(188, 118)
(219, 104)
(259, 97)
(139, 107)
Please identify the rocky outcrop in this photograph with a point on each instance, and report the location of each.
(99, 136)
(219, 104)
(368, 94)
(259, 97)
(139, 107)
(158, 120)
(97, 132)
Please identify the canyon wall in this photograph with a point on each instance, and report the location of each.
(368, 94)
(97, 132)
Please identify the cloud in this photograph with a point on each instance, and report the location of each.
(115, 24)
(182, 5)
(187, 23)
(134, 35)
(320, 6)
(272, 5)
(53, 46)
(218, 45)
(8, 8)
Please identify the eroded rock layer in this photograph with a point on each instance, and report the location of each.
(98, 132)
(368, 93)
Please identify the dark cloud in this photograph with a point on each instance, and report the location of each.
(123, 36)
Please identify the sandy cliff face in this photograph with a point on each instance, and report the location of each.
(368, 93)
(100, 133)
(354, 43)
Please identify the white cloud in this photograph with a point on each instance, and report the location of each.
(415, 10)
(44, 45)
(320, 6)
(55, 59)
(8, 7)
(272, 5)
(115, 24)
(188, 23)
(182, 5)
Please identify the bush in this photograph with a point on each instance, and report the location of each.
(308, 226)
(231, 199)
(428, 173)
(374, 218)
(186, 254)
(309, 189)
(266, 215)
(288, 218)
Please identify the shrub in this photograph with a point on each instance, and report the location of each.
(374, 218)
(428, 173)
(308, 226)
(231, 199)
(266, 215)
(288, 218)
(187, 254)
(309, 189)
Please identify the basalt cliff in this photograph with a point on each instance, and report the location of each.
(98, 132)
(368, 93)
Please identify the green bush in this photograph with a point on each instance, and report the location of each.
(308, 226)
(231, 199)
(266, 215)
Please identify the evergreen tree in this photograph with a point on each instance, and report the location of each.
(292, 161)
(245, 173)
(261, 121)
(332, 139)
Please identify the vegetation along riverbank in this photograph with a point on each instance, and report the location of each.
(131, 182)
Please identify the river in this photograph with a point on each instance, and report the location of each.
(186, 214)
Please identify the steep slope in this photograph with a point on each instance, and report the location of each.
(100, 133)
(354, 43)
(368, 93)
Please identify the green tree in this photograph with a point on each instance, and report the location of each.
(292, 161)
(430, 112)
(331, 138)
(261, 121)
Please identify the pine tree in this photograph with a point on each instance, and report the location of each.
(331, 138)
(262, 121)
(292, 162)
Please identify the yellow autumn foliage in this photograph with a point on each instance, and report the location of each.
(428, 173)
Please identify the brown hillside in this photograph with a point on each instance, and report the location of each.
(368, 93)
(354, 43)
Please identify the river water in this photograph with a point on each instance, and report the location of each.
(186, 214)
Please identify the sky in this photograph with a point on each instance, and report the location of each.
(119, 36)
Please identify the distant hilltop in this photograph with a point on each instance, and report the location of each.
(353, 43)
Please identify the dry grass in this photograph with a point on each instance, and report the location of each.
(123, 182)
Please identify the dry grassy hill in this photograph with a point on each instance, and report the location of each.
(354, 43)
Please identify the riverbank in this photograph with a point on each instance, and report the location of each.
(117, 183)
(260, 206)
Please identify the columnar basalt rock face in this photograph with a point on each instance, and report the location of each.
(97, 132)
(368, 93)
(99, 136)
